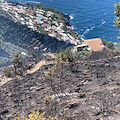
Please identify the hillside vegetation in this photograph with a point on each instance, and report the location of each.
(18, 38)
(15, 38)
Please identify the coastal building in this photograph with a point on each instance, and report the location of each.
(94, 44)
(89, 45)
(69, 27)
(30, 12)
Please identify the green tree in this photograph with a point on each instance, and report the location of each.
(7, 72)
(16, 61)
(65, 57)
(109, 44)
(117, 12)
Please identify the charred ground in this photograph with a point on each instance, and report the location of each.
(82, 90)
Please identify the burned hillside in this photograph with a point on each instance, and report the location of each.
(80, 90)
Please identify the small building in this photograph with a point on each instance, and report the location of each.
(90, 45)
(69, 27)
(30, 12)
(94, 44)
(81, 47)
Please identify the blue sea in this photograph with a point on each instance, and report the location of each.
(90, 18)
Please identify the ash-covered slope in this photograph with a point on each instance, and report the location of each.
(84, 90)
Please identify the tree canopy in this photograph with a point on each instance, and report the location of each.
(117, 12)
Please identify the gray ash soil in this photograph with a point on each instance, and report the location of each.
(84, 90)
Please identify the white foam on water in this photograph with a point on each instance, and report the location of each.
(71, 16)
(34, 2)
(23, 53)
(82, 37)
(87, 19)
(88, 30)
(92, 28)
(103, 22)
(72, 27)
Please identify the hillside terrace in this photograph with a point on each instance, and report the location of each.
(40, 18)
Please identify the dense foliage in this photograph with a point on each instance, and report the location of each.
(15, 33)
(108, 44)
(117, 12)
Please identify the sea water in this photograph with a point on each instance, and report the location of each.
(90, 18)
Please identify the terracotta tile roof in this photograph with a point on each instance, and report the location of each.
(69, 27)
(30, 11)
(24, 9)
(54, 32)
(44, 25)
(94, 44)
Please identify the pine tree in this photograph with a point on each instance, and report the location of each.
(117, 12)
(16, 61)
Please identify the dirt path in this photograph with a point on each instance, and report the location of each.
(4, 79)
(51, 55)
(41, 63)
(37, 67)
